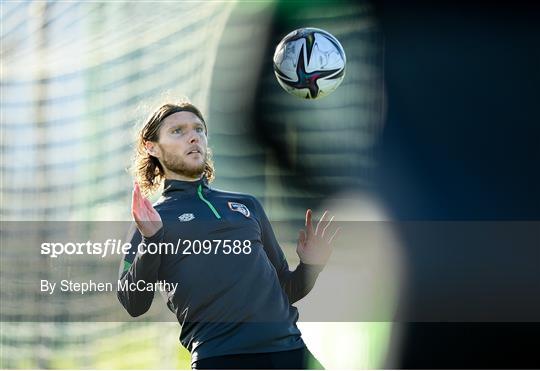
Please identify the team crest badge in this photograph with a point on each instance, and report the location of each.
(241, 208)
(186, 217)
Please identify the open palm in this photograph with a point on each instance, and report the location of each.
(315, 245)
(146, 217)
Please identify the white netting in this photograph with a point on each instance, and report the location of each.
(76, 77)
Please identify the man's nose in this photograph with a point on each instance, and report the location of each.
(194, 137)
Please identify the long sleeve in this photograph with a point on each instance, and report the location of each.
(297, 283)
(137, 267)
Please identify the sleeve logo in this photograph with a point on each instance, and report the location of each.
(186, 217)
(241, 208)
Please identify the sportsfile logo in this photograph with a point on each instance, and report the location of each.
(117, 247)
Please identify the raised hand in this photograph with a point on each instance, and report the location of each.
(146, 217)
(315, 245)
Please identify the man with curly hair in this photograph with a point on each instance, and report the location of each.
(235, 290)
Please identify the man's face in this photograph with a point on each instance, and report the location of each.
(182, 145)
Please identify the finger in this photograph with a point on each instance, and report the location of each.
(148, 204)
(301, 247)
(309, 225)
(138, 196)
(326, 226)
(140, 213)
(134, 200)
(302, 238)
(338, 229)
(320, 224)
(138, 200)
(150, 209)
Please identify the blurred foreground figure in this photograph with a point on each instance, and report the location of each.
(461, 144)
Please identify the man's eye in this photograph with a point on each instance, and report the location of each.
(176, 131)
(200, 130)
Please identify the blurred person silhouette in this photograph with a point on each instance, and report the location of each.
(459, 143)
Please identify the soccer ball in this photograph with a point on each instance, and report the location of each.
(309, 63)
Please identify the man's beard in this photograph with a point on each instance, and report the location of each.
(177, 165)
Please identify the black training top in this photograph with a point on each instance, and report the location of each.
(235, 288)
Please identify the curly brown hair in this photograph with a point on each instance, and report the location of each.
(148, 170)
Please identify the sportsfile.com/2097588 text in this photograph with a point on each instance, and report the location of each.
(117, 247)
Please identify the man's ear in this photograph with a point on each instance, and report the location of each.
(152, 149)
